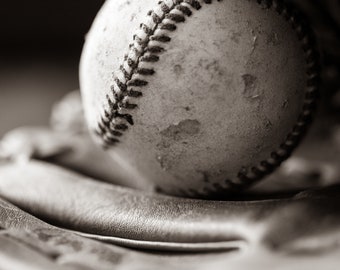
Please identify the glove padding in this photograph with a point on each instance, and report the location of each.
(136, 219)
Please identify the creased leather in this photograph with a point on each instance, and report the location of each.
(82, 204)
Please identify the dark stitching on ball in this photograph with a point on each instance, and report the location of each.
(247, 177)
(185, 10)
(195, 4)
(135, 94)
(117, 133)
(129, 106)
(161, 38)
(156, 18)
(145, 71)
(146, 52)
(312, 72)
(150, 58)
(146, 29)
(121, 127)
(164, 7)
(127, 117)
(122, 86)
(131, 63)
(122, 69)
(175, 17)
(139, 41)
(155, 49)
(168, 26)
(137, 82)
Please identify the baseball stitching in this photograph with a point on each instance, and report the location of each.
(147, 47)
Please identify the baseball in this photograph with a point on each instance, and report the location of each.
(198, 98)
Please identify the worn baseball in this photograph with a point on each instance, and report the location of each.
(198, 97)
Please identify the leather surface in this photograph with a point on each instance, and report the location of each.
(289, 220)
(281, 233)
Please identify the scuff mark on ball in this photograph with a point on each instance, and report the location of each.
(182, 130)
(250, 90)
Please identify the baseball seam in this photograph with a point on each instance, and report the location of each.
(146, 49)
(247, 177)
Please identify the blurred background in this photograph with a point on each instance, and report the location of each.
(41, 42)
(40, 47)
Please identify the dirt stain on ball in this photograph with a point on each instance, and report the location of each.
(182, 130)
(250, 86)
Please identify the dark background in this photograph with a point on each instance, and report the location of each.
(40, 47)
(41, 41)
(38, 27)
